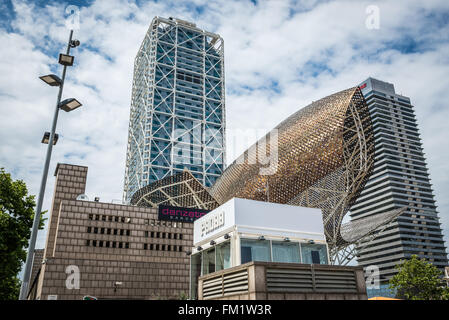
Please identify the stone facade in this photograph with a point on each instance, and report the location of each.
(116, 251)
(37, 261)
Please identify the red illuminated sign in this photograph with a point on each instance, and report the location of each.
(362, 86)
(180, 214)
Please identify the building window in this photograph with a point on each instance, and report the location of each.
(175, 236)
(195, 273)
(169, 235)
(87, 242)
(100, 243)
(145, 246)
(146, 221)
(314, 253)
(208, 261)
(128, 232)
(89, 229)
(168, 247)
(121, 232)
(103, 218)
(180, 248)
(158, 235)
(110, 218)
(97, 217)
(94, 243)
(116, 218)
(152, 234)
(120, 245)
(180, 236)
(223, 253)
(109, 231)
(163, 247)
(114, 244)
(115, 232)
(127, 245)
(285, 251)
(107, 244)
(146, 234)
(151, 246)
(163, 235)
(91, 216)
(157, 247)
(95, 230)
(255, 250)
(102, 231)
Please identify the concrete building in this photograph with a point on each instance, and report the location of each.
(400, 178)
(109, 251)
(177, 117)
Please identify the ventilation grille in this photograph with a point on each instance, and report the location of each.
(290, 280)
(228, 284)
(335, 281)
(311, 280)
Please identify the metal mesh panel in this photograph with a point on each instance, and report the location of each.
(325, 155)
(181, 190)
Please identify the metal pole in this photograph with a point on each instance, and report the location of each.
(29, 261)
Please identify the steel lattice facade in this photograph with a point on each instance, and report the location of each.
(177, 118)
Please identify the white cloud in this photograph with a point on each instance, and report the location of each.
(284, 42)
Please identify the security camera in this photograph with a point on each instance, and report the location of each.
(74, 43)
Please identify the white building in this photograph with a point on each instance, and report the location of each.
(242, 230)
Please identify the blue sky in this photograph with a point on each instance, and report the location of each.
(279, 56)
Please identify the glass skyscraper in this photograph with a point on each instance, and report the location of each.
(177, 118)
(400, 178)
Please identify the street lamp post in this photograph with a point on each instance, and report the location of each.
(52, 80)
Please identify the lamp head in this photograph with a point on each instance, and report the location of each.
(69, 104)
(74, 43)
